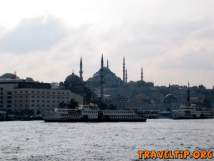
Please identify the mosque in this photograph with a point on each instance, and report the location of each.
(106, 86)
(103, 78)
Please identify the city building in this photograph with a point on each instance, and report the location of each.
(20, 94)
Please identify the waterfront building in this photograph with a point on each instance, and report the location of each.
(20, 94)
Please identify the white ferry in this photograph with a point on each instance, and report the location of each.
(88, 114)
(122, 116)
(192, 112)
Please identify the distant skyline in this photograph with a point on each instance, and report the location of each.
(172, 40)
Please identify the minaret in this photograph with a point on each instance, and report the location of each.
(81, 70)
(101, 79)
(126, 76)
(141, 74)
(124, 70)
(107, 64)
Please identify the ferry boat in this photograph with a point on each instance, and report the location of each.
(121, 116)
(87, 114)
(192, 112)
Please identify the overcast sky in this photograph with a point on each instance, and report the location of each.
(173, 40)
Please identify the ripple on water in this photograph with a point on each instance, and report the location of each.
(36, 140)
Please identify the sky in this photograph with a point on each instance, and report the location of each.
(173, 40)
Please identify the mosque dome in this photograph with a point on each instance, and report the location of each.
(110, 79)
(9, 76)
(72, 81)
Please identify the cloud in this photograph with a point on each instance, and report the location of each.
(30, 35)
(58, 61)
(173, 41)
(195, 52)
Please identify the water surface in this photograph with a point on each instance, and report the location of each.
(39, 141)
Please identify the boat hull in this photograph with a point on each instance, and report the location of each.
(95, 120)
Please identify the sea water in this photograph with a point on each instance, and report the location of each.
(40, 141)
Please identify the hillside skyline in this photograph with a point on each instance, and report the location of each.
(95, 75)
(172, 41)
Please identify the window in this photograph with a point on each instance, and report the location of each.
(9, 101)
